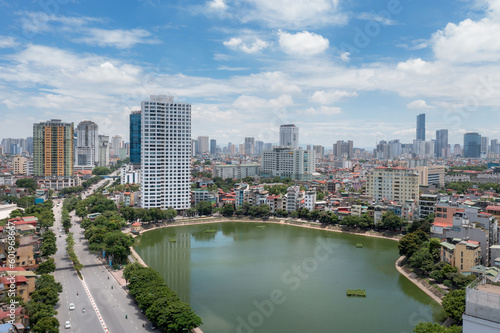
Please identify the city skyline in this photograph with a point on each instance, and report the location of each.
(247, 67)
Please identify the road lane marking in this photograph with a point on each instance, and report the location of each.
(101, 320)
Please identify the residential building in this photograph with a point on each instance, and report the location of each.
(343, 149)
(53, 149)
(240, 194)
(441, 142)
(19, 165)
(484, 146)
(87, 145)
(166, 153)
(236, 171)
(203, 147)
(135, 137)
(213, 147)
(249, 146)
(285, 162)
(421, 127)
(204, 195)
(310, 199)
(116, 144)
(259, 147)
(427, 205)
(194, 147)
(462, 254)
(432, 174)
(320, 151)
(482, 307)
(130, 174)
(103, 151)
(457, 150)
(398, 184)
(289, 136)
(472, 145)
(292, 198)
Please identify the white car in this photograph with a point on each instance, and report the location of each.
(71, 306)
(67, 325)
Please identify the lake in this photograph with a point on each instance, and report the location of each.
(267, 277)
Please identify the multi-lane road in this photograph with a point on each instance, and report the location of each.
(108, 307)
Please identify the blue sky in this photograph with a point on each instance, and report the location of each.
(340, 70)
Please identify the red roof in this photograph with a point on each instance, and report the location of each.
(473, 242)
(136, 224)
(493, 208)
(442, 224)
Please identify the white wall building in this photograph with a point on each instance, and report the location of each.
(310, 199)
(165, 153)
(129, 175)
(87, 144)
(297, 164)
(398, 184)
(203, 144)
(289, 136)
(236, 171)
(292, 197)
(103, 151)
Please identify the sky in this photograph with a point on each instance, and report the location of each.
(358, 70)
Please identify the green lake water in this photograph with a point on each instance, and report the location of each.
(244, 279)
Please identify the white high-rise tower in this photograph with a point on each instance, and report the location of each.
(165, 153)
(289, 136)
(87, 143)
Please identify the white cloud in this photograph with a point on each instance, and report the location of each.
(323, 110)
(217, 4)
(346, 56)
(238, 44)
(416, 44)
(292, 13)
(121, 39)
(7, 41)
(470, 41)
(302, 43)
(331, 96)
(419, 104)
(384, 20)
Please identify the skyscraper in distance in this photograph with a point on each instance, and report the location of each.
(289, 136)
(87, 144)
(203, 145)
(165, 153)
(441, 141)
(472, 145)
(213, 146)
(53, 149)
(421, 127)
(135, 137)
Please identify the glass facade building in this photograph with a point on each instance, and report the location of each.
(135, 137)
(472, 145)
(421, 127)
(441, 141)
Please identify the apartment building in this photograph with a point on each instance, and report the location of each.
(394, 184)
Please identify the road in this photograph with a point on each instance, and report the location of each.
(111, 300)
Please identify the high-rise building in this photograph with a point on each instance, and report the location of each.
(249, 146)
(394, 148)
(203, 147)
(213, 147)
(320, 151)
(194, 147)
(421, 127)
(343, 149)
(457, 150)
(116, 144)
(29, 145)
(495, 147)
(103, 151)
(53, 149)
(289, 136)
(135, 137)
(259, 147)
(87, 144)
(298, 164)
(19, 165)
(166, 153)
(394, 184)
(441, 141)
(484, 146)
(472, 145)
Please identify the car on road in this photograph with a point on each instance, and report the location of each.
(67, 325)
(71, 306)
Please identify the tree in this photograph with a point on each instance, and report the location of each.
(204, 208)
(227, 210)
(170, 214)
(46, 295)
(27, 183)
(36, 311)
(411, 242)
(436, 328)
(81, 210)
(422, 259)
(99, 171)
(16, 213)
(118, 245)
(47, 325)
(128, 213)
(172, 317)
(48, 281)
(454, 305)
(391, 221)
(46, 267)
